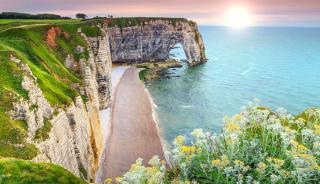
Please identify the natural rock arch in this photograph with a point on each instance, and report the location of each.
(152, 41)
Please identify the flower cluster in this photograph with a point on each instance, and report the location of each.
(139, 174)
(256, 146)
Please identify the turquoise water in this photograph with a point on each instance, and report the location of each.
(279, 66)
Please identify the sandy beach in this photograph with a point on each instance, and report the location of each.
(134, 132)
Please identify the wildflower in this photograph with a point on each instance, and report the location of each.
(232, 127)
(237, 117)
(249, 179)
(163, 162)
(300, 122)
(188, 149)
(216, 162)
(289, 130)
(317, 129)
(238, 163)
(261, 167)
(199, 150)
(197, 133)
(118, 179)
(151, 170)
(274, 178)
(301, 148)
(108, 180)
(284, 173)
(224, 160)
(294, 143)
(179, 140)
(275, 162)
(154, 161)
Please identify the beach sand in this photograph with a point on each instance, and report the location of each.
(134, 133)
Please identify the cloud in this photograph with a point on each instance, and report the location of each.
(203, 11)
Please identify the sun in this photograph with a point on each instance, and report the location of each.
(238, 17)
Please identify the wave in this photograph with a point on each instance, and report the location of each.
(185, 106)
(247, 70)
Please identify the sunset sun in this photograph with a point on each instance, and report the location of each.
(238, 17)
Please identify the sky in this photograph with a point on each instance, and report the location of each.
(205, 12)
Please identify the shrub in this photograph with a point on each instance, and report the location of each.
(256, 146)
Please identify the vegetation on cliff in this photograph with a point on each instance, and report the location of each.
(135, 21)
(14, 171)
(256, 146)
(43, 46)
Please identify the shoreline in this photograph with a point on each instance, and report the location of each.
(105, 117)
(156, 121)
(134, 131)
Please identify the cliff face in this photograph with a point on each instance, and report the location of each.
(74, 138)
(152, 40)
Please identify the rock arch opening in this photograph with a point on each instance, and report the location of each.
(177, 52)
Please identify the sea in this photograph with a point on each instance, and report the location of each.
(278, 65)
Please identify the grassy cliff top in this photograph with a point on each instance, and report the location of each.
(134, 21)
(21, 171)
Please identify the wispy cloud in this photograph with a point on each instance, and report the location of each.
(204, 11)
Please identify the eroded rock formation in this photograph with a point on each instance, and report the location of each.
(75, 140)
(153, 40)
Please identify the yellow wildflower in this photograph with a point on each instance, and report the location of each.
(199, 150)
(224, 160)
(277, 163)
(216, 162)
(239, 163)
(118, 179)
(237, 117)
(179, 140)
(294, 143)
(188, 149)
(289, 130)
(151, 170)
(301, 148)
(163, 162)
(284, 173)
(232, 127)
(108, 180)
(317, 129)
(262, 167)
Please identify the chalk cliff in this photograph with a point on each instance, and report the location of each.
(152, 39)
(74, 140)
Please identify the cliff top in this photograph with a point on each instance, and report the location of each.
(13, 170)
(134, 21)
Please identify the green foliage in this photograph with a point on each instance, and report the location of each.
(91, 31)
(12, 133)
(142, 74)
(27, 41)
(14, 171)
(16, 15)
(45, 62)
(134, 21)
(43, 132)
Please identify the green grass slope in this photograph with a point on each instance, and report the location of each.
(28, 41)
(15, 171)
